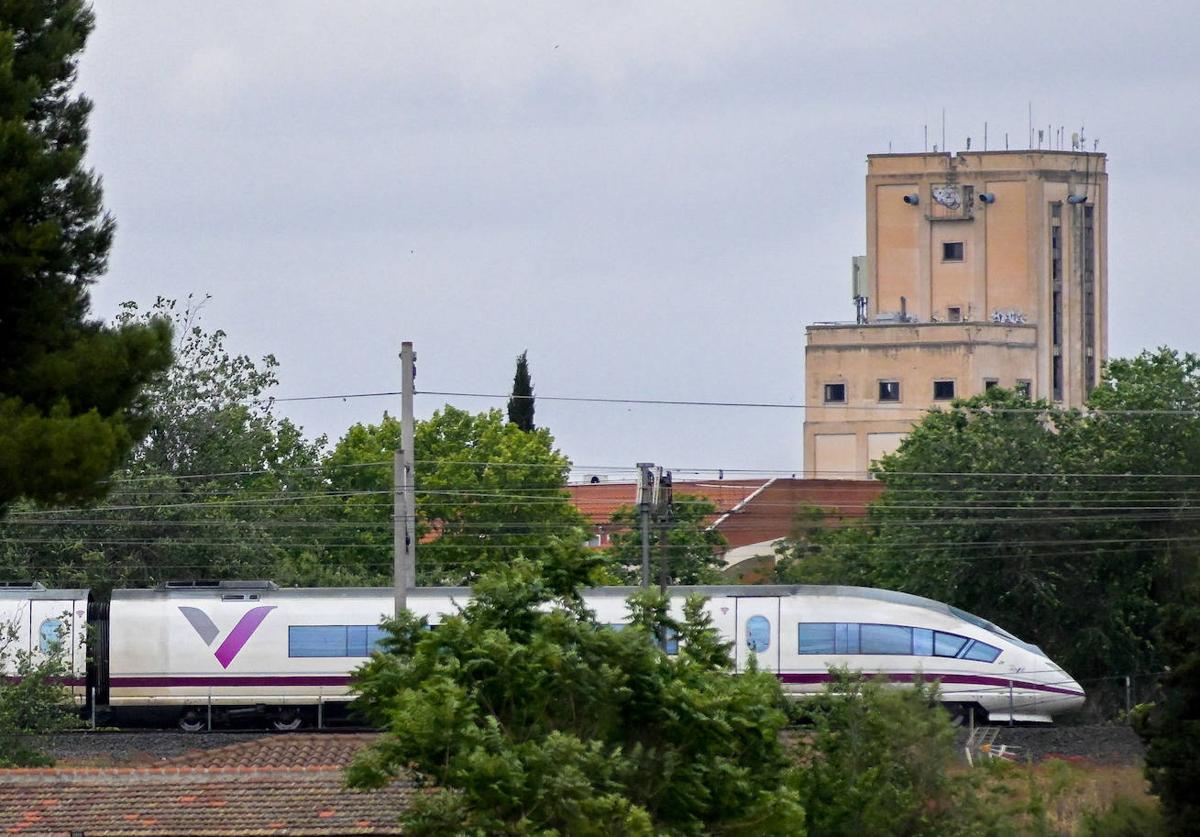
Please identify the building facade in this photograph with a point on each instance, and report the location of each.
(982, 269)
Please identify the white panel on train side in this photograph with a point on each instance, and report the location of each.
(723, 610)
(14, 625)
(179, 647)
(609, 609)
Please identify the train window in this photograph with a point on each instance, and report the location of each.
(317, 641)
(333, 640)
(361, 640)
(885, 639)
(817, 637)
(948, 645)
(982, 652)
(923, 642)
(828, 638)
(846, 637)
(671, 646)
(758, 633)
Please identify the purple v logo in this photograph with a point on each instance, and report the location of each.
(238, 637)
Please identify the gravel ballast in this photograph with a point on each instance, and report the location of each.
(1098, 744)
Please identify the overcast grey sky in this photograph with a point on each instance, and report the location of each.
(652, 198)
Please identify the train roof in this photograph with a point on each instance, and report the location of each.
(205, 589)
(36, 591)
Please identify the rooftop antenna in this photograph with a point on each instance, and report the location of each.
(968, 143)
(1006, 140)
(985, 136)
(926, 137)
(1095, 144)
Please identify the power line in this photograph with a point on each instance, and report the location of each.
(752, 524)
(774, 405)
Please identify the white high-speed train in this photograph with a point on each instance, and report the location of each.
(200, 650)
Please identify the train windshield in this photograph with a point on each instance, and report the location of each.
(995, 629)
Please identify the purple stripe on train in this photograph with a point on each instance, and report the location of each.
(160, 681)
(962, 679)
(344, 680)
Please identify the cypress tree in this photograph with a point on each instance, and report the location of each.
(520, 404)
(71, 403)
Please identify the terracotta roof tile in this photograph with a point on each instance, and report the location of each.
(748, 511)
(136, 802)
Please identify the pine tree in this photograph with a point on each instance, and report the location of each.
(71, 401)
(520, 404)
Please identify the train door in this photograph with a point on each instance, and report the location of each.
(52, 623)
(757, 636)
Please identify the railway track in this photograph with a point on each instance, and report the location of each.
(1100, 744)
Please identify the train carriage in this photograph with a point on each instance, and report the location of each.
(216, 649)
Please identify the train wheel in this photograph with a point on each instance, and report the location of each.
(960, 714)
(287, 720)
(192, 721)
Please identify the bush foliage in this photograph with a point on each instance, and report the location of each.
(526, 716)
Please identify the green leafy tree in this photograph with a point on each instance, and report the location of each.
(520, 405)
(486, 492)
(71, 403)
(1068, 528)
(879, 761)
(1171, 728)
(219, 487)
(694, 551)
(525, 716)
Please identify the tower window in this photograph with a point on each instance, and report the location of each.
(1024, 389)
(835, 393)
(943, 390)
(990, 383)
(952, 251)
(889, 390)
(954, 314)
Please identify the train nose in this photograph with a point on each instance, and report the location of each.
(1069, 695)
(1080, 697)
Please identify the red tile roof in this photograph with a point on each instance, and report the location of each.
(771, 513)
(237, 792)
(748, 511)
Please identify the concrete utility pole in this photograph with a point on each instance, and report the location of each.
(404, 533)
(644, 499)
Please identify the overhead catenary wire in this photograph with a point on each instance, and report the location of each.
(692, 402)
(736, 525)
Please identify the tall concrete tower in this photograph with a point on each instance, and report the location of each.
(982, 269)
